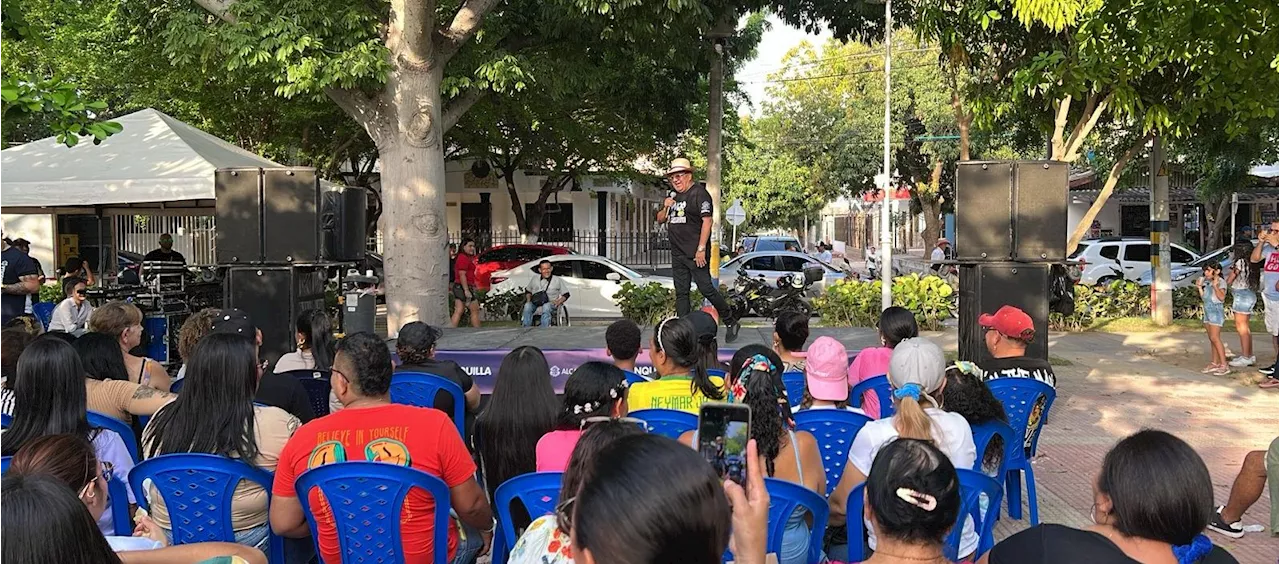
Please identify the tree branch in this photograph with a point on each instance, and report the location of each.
(361, 107)
(455, 108)
(465, 24)
(1112, 179)
(1060, 125)
(220, 8)
(1084, 128)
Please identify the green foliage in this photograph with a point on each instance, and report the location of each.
(857, 304)
(51, 293)
(646, 305)
(1123, 298)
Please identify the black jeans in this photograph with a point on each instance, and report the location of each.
(682, 270)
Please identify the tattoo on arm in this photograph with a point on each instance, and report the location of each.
(147, 392)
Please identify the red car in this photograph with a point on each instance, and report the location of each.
(503, 257)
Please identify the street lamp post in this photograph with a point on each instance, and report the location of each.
(886, 234)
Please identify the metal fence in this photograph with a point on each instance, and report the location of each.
(193, 235)
(632, 248)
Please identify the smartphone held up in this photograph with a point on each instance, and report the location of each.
(723, 432)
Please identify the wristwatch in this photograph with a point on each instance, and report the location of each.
(702, 248)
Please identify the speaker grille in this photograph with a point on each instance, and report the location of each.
(983, 211)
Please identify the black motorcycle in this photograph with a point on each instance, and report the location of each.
(755, 294)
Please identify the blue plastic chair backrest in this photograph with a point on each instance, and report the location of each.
(983, 435)
(4, 464)
(366, 500)
(633, 378)
(106, 422)
(972, 485)
(5, 420)
(784, 498)
(670, 423)
(539, 492)
(717, 372)
(880, 386)
(834, 430)
(420, 389)
(795, 384)
(44, 312)
(118, 494)
(316, 383)
(197, 491)
(1019, 396)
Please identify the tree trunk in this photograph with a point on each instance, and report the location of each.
(963, 120)
(1113, 178)
(517, 207)
(932, 210)
(1221, 217)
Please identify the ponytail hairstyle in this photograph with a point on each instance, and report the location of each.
(676, 339)
(315, 325)
(1241, 252)
(917, 372)
(896, 325)
(756, 380)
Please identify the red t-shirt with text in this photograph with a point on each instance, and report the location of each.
(417, 437)
(465, 265)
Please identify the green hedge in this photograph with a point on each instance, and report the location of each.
(852, 303)
(1123, 298)
(647, 304)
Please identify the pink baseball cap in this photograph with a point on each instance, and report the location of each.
(826, 370)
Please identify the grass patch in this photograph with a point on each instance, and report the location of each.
(1146, 325)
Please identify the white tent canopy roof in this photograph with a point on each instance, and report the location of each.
(1266, 171)
(155, 158)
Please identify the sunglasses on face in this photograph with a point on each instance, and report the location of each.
(80, 291)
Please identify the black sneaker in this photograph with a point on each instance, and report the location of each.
(1217, 525)
(1268, 371)
(731, 329)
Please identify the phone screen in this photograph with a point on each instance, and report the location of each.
(723, 431)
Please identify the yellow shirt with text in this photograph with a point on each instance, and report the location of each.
(669, 392)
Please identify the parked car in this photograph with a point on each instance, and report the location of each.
(1102, 261)
(1186, 275)
(590, 280)
(503, 257)
(774, 264)
(753, 243)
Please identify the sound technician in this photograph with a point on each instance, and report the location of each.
(687, 213)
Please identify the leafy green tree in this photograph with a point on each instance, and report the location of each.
(775, 188)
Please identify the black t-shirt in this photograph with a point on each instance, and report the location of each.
(165, 256)
(451, 370)
(1056, 544)
(14, 264)
(1019, 367)
(285, 392)
(684, 219)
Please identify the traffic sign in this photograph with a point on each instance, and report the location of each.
(736, 214)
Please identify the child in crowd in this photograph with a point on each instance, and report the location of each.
(1212, 292)
(622, 344)
(595, 389)
(826, 371)
(895, 324)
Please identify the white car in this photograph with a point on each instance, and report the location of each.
(771, 265)
(1104, 260)
(590, 280)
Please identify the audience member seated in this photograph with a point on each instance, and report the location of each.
(896, 324)
(595, 389)
(49, 399)
(826, 375)
(279, 390)
(912, 501)
(755, 379)
(1257, 471)
(71, 315)
(546, 541)
(917, 374)
(372, 428)
(314, 338)
(44, 503)
(12, 343)
(193, 329)
(1151, 501)
(123, 322)
(107, 383)
(69, 459)
(416, 347)
(967, 395)
(622, 344)
(215, 414)
(790, 332)
(521, 410)
(1007, 334)
(682, 382)
(706, 328)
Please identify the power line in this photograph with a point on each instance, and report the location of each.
(802, 78)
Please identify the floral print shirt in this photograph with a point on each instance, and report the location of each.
(542, 543)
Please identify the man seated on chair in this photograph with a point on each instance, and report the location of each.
(277, 390)
(416, 347)
(1007, 333)
(371, 428)
(622, 344)
(544, 293)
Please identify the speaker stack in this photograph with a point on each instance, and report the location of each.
(1011, 227)
(280, 231)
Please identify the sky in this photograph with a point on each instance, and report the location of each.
(773, 47)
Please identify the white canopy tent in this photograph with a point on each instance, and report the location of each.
(155, 159)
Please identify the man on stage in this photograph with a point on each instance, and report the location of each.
(687, 213)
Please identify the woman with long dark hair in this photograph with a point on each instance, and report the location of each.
(706, 329)
(913, 498)
(70, 461)
(521, 410)
(896, 324)
(49, 399)
(315, 343)
(790, 331)
(967, 395)
(681, 380)
(595, 389)
(1243, 281)
(215, 414)
(107, 382)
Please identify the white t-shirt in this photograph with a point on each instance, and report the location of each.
(952, 435)
(938, 255)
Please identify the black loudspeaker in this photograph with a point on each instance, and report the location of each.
(983, 210)
(986, 287)
(291, 220)
(239, 214)
(343, 216)
(1040, 211)
(273, 296)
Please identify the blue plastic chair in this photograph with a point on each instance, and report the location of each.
(5, 421)
(4, 465)
(177, 386)
(44, 312)
(784, 498)
(670, 423)
(717, 373)
(100, 421)
(420, 389)
(972, 486)
(539, 492)
(1019, 396)
(834, 430)
(633, 378)
(878, 385)
(795, 384)
(366, 499)
(197, 491)
(316, 383)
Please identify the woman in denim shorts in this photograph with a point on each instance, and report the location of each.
(1243, 281)
(1212, 293)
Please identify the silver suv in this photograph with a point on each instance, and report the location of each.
(1102, 261)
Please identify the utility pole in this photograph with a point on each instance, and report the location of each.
(715, 118)
(886, 231)
(1161, 282)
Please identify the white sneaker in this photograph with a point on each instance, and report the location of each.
(1243, 361)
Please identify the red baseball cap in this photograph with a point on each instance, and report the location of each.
(1010, 322)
